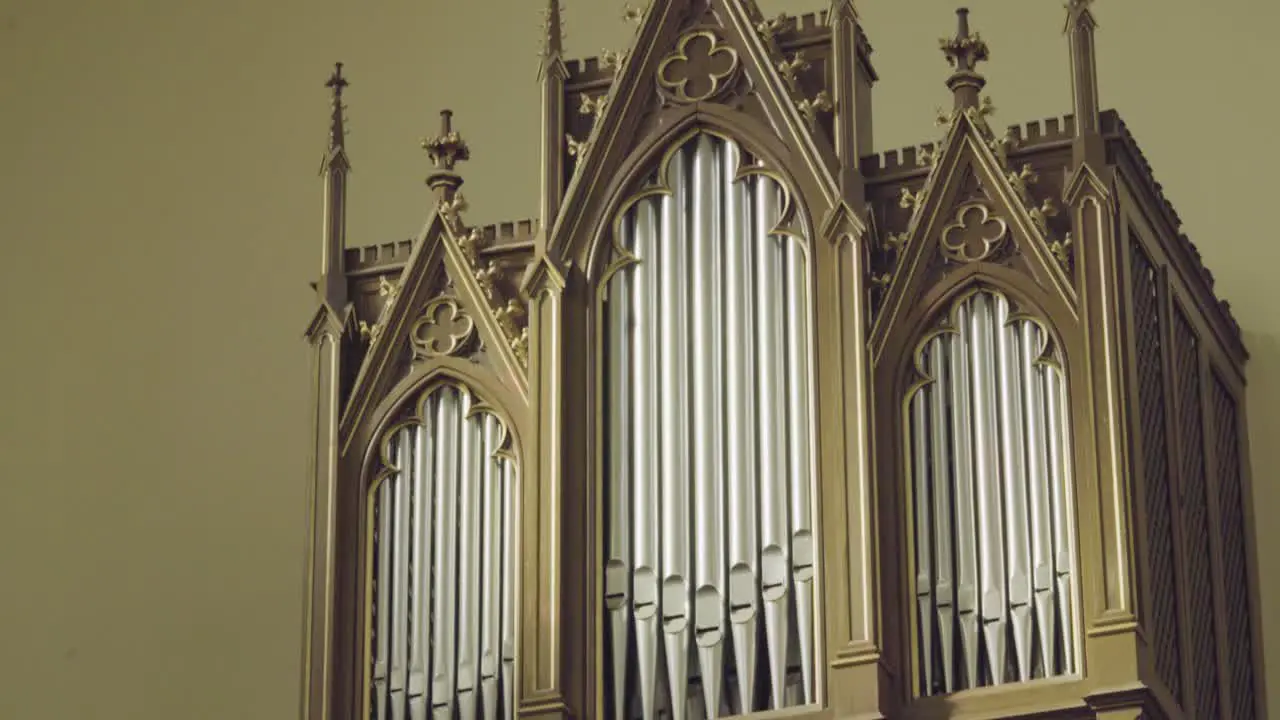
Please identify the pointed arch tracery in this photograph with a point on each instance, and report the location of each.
(441, 561)
(709, 464)
(989, 475)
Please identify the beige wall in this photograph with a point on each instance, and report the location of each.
(160, 220)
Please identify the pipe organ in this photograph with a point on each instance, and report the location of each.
(991, 491)
(443, 566)
(710, 555)
(754, 422)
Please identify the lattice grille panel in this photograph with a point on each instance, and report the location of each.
(1155, 456)
(1197, 550)
(1234, 571)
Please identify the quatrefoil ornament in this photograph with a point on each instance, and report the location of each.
(443, 329)
(699, 68)
(975, 235)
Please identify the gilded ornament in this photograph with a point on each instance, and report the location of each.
(810, 107)
(576, 148)
(388, 291)
(470, 245)
(452, 209)
(789, 69)
(908, 200)
(1040, 215)
(613, 60)
(1061, 251)
(486, 277)
(593, 106)
(633, 14)
(974, 235)
(443, 329)
(772, 28)
(699, 68)
(1023, 179)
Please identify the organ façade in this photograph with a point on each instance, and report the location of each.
(754, 422)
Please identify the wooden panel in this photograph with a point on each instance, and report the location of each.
(1235, 572)
(1197, 553)
(1151, 415)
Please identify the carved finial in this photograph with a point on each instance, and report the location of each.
(446, 150)
(337, 124)
(964, 52)
(553, 27)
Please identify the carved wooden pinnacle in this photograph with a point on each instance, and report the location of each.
(448, 149)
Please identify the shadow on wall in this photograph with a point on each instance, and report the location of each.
(1263, 399)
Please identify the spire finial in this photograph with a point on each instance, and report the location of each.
(446, 151)
(337, 123)
(964, 52)
(553, 26)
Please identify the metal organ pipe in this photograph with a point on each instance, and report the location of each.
(742, 488)
(710, 451)
(673, 402)
(443, 569)
(993, 514)
(710, 570)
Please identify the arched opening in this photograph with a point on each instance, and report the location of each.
(709, 461)
(442, 565)
(988, 458)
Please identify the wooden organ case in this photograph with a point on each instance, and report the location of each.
(751, 422)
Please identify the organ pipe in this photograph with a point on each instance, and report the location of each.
(993, 521)
(444, 568)
(709, 471)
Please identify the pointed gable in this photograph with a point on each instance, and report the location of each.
(973, 215)
(448, 302)
(694, 62)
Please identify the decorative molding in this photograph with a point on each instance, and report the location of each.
(443, 329)
(975, 241)
(714, 68)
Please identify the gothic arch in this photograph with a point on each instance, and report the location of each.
(677, 126)
(983, 471)
(408, 542)
(498, 399)
(1051, 308)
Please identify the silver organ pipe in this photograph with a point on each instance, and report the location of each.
(994, 565)
(444, 568)
(710, 572)
(709, 473)
(676, 529)
(742, 476)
